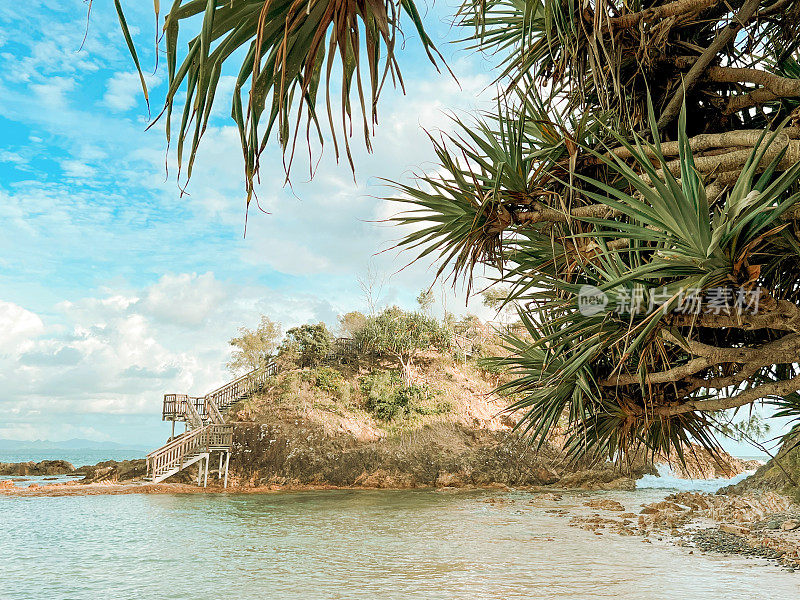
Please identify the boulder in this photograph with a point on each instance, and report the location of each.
(790, 525)
(605, 504)
(734, 528)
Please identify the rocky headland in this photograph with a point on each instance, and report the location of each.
(353, 427)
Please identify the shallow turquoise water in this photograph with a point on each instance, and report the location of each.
(348, 544)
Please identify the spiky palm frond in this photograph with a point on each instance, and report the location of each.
(283, 51)
(462, 212)
(661, 237)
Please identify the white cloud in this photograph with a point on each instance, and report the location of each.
(52, 93)
(18, 327)
(129, 288)
(186, 299)
(120, 351)
(77, 168)
(12, 157)
(124, 90)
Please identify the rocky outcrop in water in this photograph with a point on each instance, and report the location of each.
(764, 526)
(699, 463)
(447, 455)
(45, 467)
(112, 470)
(109, 470)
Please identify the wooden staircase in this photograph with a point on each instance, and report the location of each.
(207, 431)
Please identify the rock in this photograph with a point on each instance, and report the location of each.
(605, 504)
(449, 480)
(44, 467)
(549, 496)
(603, 477)
(734, 529)
(666, 505)
(6, 484)
(545, 475)
(790, 525)
(699, 463)
(498, 501)
(112, 470)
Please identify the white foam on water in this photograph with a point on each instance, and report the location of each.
(667, 480)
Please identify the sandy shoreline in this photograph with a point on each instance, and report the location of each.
(101, 488)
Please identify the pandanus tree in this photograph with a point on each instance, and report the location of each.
(636, 188)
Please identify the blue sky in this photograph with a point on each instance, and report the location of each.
(113, 288)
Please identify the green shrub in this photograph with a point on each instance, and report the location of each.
(490, 365)
(328, 380)
(378, 387)
(422, 400)
(285, 388)
(403, 335)
(387, 398)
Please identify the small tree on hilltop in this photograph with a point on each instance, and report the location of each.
(496, 298)
(351, 323)
(425, 300)
(403, 335)
(254, 347)
(310, 343)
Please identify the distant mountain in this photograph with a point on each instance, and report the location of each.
(73, 444)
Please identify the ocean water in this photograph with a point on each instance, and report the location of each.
(375, 545)
(666, 480)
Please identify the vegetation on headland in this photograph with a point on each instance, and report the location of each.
(360, 412)
(408, 405)
(647, 150)
(393, 366)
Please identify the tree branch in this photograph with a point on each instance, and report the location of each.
(754, 98)
(730, 161)
(775, 352)
(780, 86)
(784, 317)
(538, 212)
(655, 13)
(722, 39)
(767, 390)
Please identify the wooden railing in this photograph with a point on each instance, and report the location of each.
(176, 406)
(193, 416)
(243, 386)
(220, 435)
(213, 412)
(172, 454)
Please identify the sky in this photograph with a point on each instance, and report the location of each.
(114, 289)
